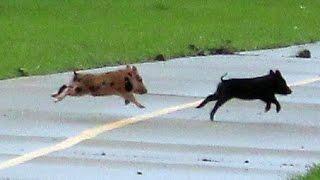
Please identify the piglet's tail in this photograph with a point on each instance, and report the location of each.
(223, 77)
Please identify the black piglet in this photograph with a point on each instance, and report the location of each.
(263, 88)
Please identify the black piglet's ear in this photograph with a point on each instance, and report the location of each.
(271, 72)
(278, 73)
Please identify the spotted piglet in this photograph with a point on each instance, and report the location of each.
(123, 82)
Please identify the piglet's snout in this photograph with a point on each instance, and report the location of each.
(143, 91)
(289, 91)
(140, 91)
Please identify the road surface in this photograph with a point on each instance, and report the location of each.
(182, 143)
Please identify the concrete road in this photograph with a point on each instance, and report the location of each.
(243, 143)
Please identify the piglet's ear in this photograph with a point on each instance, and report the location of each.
(271, 72)
(128, 67)
(134, 68)
(278, 73)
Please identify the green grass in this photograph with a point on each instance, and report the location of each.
(46, 36)
(313, 174)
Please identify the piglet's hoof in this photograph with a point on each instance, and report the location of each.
(141, 106)
(55, 100)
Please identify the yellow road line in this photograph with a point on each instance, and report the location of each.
(307, 81)
(93, 132)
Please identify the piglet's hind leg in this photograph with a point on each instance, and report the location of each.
(130, 97)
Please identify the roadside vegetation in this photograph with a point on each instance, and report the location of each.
(312, 174)
(46, 36)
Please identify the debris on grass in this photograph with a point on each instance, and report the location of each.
(201, 53)
(160, 57)
(221, 51)
(305, 53)
(197, 51)
(120, 62)
(23, 72)
(224, 49)
(193, 47)
(161, 5)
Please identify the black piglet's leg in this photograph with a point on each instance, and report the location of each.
(211, 97)
(276, 102)
(268, 106)
(268, 101)
(218, 104)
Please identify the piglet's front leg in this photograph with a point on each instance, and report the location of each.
(62, 92)
(129, 97)
(276, 102)
(268, 106)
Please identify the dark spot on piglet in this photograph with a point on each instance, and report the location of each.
(127, 84)
(93, 88)
(78, 89)
(139, 173)
(246, 161)
(111, 84)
